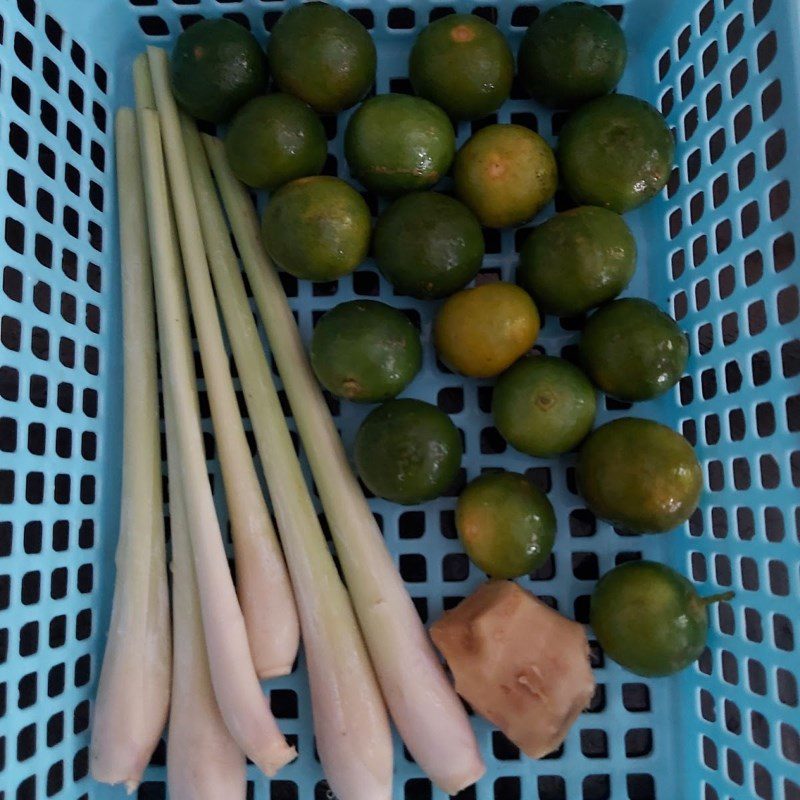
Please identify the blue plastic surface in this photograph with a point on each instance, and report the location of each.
(717, 248)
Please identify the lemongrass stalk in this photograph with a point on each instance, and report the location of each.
(350, 721)
(134, 689)
(430, 717)
(262, 582)
(203, 760)
(241, 702)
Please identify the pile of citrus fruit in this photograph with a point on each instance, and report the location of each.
(615, 152)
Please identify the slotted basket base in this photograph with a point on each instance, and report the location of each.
(717, 249)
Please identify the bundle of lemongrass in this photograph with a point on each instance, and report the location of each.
(364, 651)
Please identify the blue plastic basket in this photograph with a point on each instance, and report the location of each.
(717, 248)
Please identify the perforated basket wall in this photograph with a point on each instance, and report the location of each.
(717, 248)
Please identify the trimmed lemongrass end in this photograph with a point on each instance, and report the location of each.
(422, 702)
(143, 83)
(350, 720)
(242, 703)
(134, 689)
